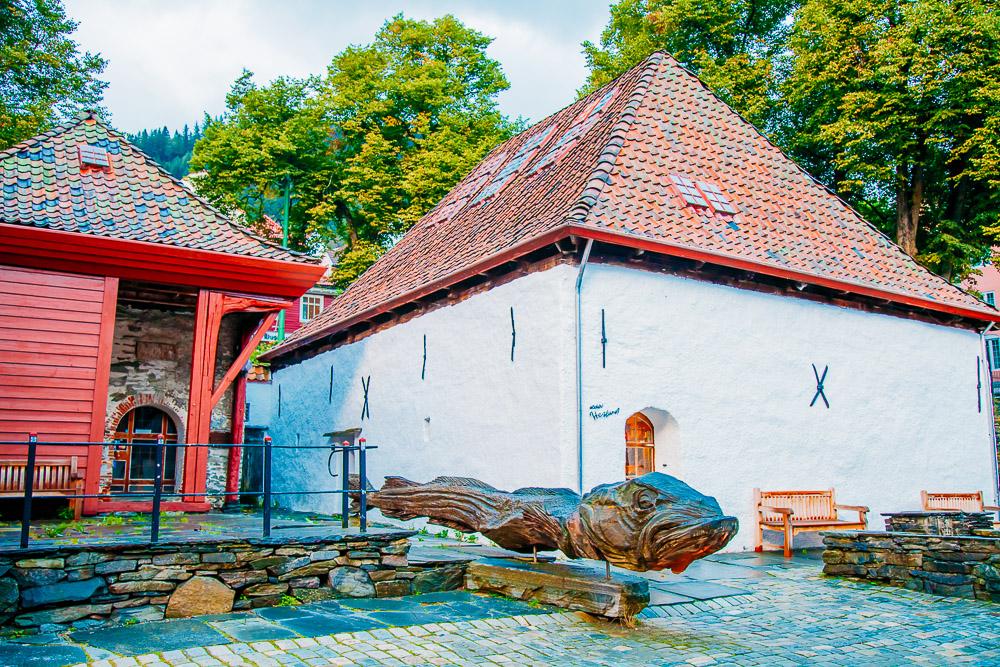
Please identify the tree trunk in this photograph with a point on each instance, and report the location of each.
(909, 201)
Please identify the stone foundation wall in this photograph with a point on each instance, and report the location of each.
(959, 566)
(82, 584)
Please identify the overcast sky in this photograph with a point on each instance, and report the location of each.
(173, 60)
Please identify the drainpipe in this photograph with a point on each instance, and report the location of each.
(993, 422)
(579, 366)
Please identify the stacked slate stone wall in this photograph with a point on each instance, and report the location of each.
(959, 566)
(80, 584)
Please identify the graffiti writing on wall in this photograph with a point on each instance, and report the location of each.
(598, 411)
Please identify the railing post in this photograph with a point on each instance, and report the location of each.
(345, 500)
(29, 489)
(267, 486)
(362, 464)
(154, 526)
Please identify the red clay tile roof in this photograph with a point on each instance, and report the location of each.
(608, 166)
(44, 186)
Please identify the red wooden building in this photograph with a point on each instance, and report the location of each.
(128, 309)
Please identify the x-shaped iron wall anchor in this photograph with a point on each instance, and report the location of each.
(820, 379)
(364, 408)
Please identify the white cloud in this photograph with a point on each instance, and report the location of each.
(170, 62)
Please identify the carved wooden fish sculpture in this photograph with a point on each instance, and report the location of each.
(653, 522)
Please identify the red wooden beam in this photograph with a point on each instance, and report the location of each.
(154, 262)
(248, 347)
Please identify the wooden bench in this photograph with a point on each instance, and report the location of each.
(791, 512)
(957, 502)
(53, 476)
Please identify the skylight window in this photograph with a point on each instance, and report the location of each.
(525, 153)
(585, 120)
(689, 191)
(715, 197)
(94, 156)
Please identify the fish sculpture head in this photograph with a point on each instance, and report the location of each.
(653, 522)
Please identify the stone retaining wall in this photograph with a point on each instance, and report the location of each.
(959, 566)
(81, 584)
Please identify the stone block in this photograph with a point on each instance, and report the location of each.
(323, 555)
(269, 561)
(392, 560)
(86, 558)
(80, 573)
(62, 615)
(258, 590)
(66, 591)
(149, 586)
(265, 601)
(574, 587)
(438, 579)
(198, 596)
(115, 566)
(177, 559)
(288, 566)
(148, 572)
(319, 569)
(313, 594)
(243, 578)
(351, 582)
(304, 582)
(393, 589)
(52, 563)
(36, 576)
(218, 557)
(382, 575)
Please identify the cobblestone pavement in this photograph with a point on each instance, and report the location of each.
(781, 614)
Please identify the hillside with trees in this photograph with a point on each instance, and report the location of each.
(171, 151)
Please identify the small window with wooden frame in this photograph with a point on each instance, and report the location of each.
(310, 306)
(639, 446)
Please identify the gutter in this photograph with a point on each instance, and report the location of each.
(579, 366)
(993, 419)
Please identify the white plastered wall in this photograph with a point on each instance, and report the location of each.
(724, 374)
(732, 368)
(476, 413)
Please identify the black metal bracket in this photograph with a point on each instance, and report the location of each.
(330, 397)
(365, 384)
(604, 342)
(513, 334)
(820, 380)
(423, 367)
(279, 400)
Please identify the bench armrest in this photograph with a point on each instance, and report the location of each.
(778, 510)
(852, 508)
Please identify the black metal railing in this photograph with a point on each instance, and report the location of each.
(157, 493)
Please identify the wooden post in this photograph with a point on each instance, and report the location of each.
(208, 317)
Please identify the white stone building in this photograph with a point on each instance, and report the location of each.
(646, 251)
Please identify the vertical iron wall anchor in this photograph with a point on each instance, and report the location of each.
(604, 342)
(423, 366)
(513, 334)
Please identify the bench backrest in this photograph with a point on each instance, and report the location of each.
(963, 502)
(805, 505)
(51, 474)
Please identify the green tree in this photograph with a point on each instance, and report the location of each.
(895, 105)
(44, 78)
(732, 45)
(370, 147)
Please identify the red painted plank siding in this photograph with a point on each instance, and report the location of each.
(50, 358)
(293, 316)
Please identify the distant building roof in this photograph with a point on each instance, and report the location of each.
(653, 160)
(84, 177)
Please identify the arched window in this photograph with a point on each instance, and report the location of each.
(639, 446)
(135, 451)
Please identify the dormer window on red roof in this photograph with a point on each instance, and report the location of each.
(94, 157)
(689, 191)
(703, 194)
(715, 197)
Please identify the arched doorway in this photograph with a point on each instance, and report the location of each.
(134, 463)
(640, 446)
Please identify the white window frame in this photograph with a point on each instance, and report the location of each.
(990, 298)
(993, 351)
(310, 300)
